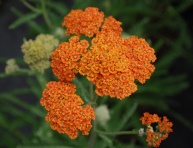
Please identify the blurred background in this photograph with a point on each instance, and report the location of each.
(167, 25)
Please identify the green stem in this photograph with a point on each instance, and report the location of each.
(93, 98)
(45, 14)
(18, 73)
(91, 92)
(42, 80)
(26, 71)
(133, 132)
(92, 136)
(93, 95)
(34, 9)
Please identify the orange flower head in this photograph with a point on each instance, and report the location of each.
(55, 92)
(108, 67)
(141, 56)
(163, 128)
(65, 59)
(83, 22)
(65, 113)
(148, 118)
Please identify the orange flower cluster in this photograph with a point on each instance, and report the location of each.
(163, 128)
(83, 22)
(65, 59)
(65, 113)
(112, 63)
(107, 66)
(141, 57)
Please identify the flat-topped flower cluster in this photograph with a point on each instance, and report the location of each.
(110, 62)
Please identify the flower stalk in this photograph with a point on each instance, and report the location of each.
(28, 5)
(45, 14)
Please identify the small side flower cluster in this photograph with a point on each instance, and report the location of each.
(65, 113)
(11, 66)
(163, 128)
(38, 52)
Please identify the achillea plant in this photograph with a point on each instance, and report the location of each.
(111, 64)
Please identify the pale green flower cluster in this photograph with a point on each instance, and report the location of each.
(11, 66)
(102, 114)
(37, 52)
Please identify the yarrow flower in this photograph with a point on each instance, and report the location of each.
(65, 113)
(37, 52)
(163, 128)
(11, 66)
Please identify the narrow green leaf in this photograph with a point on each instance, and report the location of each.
(106, 139)
(25, 116)
(138, 29)
(183, 120)
(58, 7)
(19, 91)
(131, 110)
(35, 88)
(20, 103)
(165, 86)
(3, 121)
(159, 104)
(167, 59)
(81, 90)
(158, 45)
(23, 19)
(115, 115)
